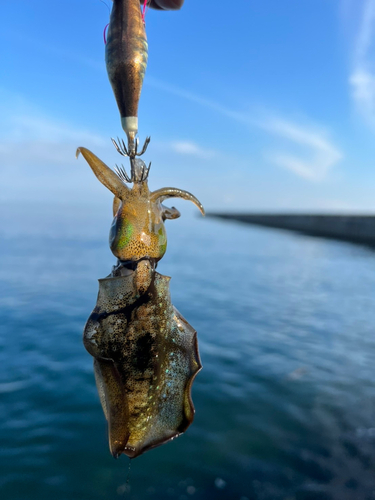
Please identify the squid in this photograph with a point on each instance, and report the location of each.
(145, 352)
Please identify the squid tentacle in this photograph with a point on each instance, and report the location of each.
(169, 192)
(105, 175)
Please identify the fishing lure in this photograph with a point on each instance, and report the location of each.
(145, 353)
(126, 55)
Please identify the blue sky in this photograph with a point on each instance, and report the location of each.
(268, 105)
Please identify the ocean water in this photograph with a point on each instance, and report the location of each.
(285, 403)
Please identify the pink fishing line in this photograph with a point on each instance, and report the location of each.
(104, 32)
(145, 9)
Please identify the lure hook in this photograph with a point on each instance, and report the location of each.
(130, 152)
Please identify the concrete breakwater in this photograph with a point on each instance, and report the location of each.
(354, 228)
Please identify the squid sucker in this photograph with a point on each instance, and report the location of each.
(145, 353)
(126, 55)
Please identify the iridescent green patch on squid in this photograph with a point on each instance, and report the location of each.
(124, 236)
(162, 241)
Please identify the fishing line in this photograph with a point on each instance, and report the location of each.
(146, 6)
(104, 34)
(109, 10)
(106, 26)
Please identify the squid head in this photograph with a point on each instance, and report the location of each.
(137, 230)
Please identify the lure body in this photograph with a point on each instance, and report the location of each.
(145, 353)
(126, 55)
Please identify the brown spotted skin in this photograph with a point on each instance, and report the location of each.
(146, 358)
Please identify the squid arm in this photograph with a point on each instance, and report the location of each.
(105, 175)
(169, 192)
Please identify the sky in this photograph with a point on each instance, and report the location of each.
(254, 106)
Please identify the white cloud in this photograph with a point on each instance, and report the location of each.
(192, 149)
(362, 78)
(37, 156)
(39, 127)
(37, 153)
(312, 163)
(363, 87)
(32, 139)
(192, 97)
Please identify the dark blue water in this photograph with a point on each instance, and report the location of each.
(285, 404)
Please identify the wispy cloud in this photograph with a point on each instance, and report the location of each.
(22, 122)
(192, 149)
(29, 139)
(312, 163)
(362, 78)
(317, 156)
(37, 152)
(203, 101)
(39, 127)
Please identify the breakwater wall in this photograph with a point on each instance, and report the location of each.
(354, 228)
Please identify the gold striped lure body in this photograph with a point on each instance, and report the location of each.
(126, 57)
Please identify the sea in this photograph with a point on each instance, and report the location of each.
(285, 403)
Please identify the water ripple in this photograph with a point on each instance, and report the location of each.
(285, 402)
